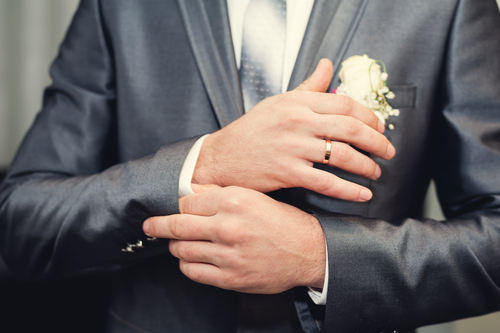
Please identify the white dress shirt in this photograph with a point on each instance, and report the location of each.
(297, 17)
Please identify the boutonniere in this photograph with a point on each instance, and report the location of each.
(363, 80)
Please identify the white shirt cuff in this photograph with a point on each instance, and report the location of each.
(319, 296)
(187, 170)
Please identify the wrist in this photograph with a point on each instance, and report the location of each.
(315, 276)
(206, 164)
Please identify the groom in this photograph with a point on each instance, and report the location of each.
(136, 85)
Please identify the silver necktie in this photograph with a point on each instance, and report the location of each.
(262, 51)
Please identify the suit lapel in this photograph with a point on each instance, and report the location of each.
(209, 33)
(329, 32)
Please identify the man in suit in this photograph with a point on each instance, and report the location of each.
(136, 84)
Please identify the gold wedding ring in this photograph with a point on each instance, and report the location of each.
(328, 151)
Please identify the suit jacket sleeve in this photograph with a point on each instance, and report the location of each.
(404, 273)
(67, 206)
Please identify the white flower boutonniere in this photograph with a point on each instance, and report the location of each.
(362, 80)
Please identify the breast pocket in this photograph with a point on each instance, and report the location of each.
(406, 96)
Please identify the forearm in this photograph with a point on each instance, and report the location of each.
(410, 273)
(56, 224)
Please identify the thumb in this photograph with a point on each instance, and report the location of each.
(320, 79)
(197, 188)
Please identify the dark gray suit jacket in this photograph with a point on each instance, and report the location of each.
(137, 82)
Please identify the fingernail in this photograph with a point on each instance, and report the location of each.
(380, 127)
(365, 195)
(391, 151)
(145, 227)
(377, 173)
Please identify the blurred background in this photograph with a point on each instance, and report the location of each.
(30, 32)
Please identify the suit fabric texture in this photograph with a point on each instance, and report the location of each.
(137, 82)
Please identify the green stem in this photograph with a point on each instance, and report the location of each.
(370, 72)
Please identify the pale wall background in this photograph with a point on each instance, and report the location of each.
(30, 32)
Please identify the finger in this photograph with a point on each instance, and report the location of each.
(320, 79)
(203, 203)
(203, 273)
(195, 251)
(343, 157)
(355, 132)
(346, 106)
(179, 226)
(328, 184)
(197, 188)
(331, 104)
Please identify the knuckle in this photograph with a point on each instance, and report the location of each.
(351, 127)
(294, 119)
(224, 232)
(230, 257)
(293, 97)
(327, 185)
(234, 201)
(344, 105)
(314, 120)
(297, 177)
(336, 192)
(230, 281)
(233, 204)
(185, 251)
(176, 227)
(182, 251)
(230, 233)
(239, 236)
(237, 283)
(236, 280)
(324, 184)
